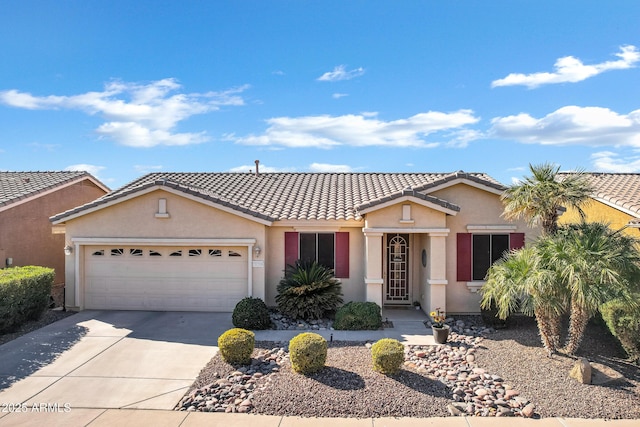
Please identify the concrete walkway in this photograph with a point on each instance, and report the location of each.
(103, 368)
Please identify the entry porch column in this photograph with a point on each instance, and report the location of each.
(373, 266)
(437, 274)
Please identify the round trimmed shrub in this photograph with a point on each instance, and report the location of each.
(251, 313)
(236, 346)
(387, 355)
(307, 352)
(357, 316)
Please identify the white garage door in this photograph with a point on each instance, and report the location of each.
(165, 278)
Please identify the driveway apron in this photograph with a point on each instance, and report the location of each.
(110, 359)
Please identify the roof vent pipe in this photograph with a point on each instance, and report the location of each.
(257, 167)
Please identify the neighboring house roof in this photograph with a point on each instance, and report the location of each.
(618, 190)
(293, 196)
(21, 187)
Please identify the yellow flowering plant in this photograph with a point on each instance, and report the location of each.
(438, 318)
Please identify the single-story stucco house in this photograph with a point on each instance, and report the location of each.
(203, 241)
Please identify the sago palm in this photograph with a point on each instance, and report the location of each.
(538, 197)
(308, 291)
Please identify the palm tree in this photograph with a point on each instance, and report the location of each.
(521, 280)
(538, 198)
(595, 266)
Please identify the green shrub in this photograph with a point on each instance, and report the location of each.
(24, 294)
(236, 346)
(307, 352)
(357, 316)
(623, 320)
(251, 313)
(308, 291)
(387, 355)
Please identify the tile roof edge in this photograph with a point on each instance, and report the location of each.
(187, 189)
(79, 176)
(407, 192)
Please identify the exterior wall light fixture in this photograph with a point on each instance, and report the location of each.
(257, 250)
(68, 250)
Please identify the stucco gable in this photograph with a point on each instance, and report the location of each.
(190, 192)
(481, 181)
(409, 195)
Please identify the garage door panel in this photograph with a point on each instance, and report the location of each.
(147, 278)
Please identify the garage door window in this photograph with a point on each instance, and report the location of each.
(195, 252)
(135, 252)
(154, 253)
(215, 252)
(98, 253)
(176, 253)
(117, 252)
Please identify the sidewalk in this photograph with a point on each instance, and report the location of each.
(156, 418)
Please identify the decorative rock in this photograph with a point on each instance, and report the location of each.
(528, 410)
(581, 371)
(456, 409)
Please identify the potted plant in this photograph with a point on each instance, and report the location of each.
(416, 304)
(440, 330)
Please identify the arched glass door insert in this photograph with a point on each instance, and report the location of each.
(397, 287)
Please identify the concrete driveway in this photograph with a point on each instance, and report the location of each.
(110, 359)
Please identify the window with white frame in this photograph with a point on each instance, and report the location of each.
(318, 247)
(487, 249)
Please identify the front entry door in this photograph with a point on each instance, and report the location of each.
(397, 287)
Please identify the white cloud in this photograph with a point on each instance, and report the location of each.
(326, 167)
(571, 125)
(339, 95)
(340, 72)
(92, 169)
(569, 69)
(607, 161)
(358, 130)
(136, 115)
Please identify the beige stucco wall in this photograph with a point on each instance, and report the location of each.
(353, 287)
(391, 216)
(188, 219)
(477, 207)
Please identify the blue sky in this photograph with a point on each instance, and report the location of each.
(122, 88)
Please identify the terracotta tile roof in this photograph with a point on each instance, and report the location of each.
(621, 190)
(16, 186)
(292, 196)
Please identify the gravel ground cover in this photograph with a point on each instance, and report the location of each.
(505, 374)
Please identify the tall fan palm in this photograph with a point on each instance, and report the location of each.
(521, 280)
(595, 265)
(538, 197)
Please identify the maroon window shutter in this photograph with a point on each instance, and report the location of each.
(290, 248)
(463, 257)
(516, 241)
(342, 255)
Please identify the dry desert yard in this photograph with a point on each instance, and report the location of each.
(511, 364)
